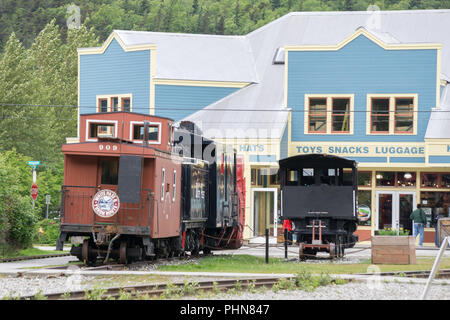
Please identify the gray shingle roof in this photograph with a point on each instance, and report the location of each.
(250, 59)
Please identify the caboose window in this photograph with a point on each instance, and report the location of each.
(110, 172)
(101, 129)
(103, 105)
(163, 181)
(174, 185)
(153, 132)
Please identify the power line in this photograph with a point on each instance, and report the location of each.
(234, 109)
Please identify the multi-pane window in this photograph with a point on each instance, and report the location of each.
(329, 114)
(318, 115)
(392, 114)
(404, 115)
(114, 103)
(341, 115)
(380, 115)
(103, 105)
(126, 104)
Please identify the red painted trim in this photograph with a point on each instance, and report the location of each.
(183, 239)
(99, 107)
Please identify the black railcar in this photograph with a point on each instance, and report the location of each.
(319, 195)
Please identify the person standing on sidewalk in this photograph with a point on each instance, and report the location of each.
(419, 219)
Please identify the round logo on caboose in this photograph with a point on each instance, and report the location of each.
(106, 203)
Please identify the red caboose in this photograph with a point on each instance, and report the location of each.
(131, 197)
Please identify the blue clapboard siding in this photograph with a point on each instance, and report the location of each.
(115, 72)
(361, 67)
(284, 148)
(177, 101)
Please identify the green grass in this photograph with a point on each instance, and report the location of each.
(25, 252)
(251, 264)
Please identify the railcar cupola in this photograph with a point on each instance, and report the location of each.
(129, 127)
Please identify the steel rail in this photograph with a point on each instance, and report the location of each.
(409, 274)
(42, 256)
(152, 290)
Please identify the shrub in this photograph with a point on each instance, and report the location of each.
(17, 219)
(46, 232)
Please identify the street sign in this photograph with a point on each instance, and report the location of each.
(47, 199)
(34, 191)
(34, 163)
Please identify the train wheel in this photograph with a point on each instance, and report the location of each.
(123, 253)
(332, 250)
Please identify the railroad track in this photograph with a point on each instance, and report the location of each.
(42, 256)
(443, 273)
(155, 290)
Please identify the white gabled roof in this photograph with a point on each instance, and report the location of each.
(181, 56)
(439, 123)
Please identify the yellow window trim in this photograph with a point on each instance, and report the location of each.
(329, 98)
(391, 97)
(108, 99)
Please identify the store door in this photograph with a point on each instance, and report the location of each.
(264, 203)
(394, 208)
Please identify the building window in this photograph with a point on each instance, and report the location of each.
(435, 180)
(404, 115)
(102, 105)
(396, 179)
(114, 103)
(341, 115)
(318, 115)
(380, 116)
(329, 114)
(436, 205)
(126, 104)
(365, 179)
(392, 114)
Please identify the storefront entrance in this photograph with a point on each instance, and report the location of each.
(265, 206)
(393, 209)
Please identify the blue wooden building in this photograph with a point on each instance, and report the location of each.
(371, 86)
